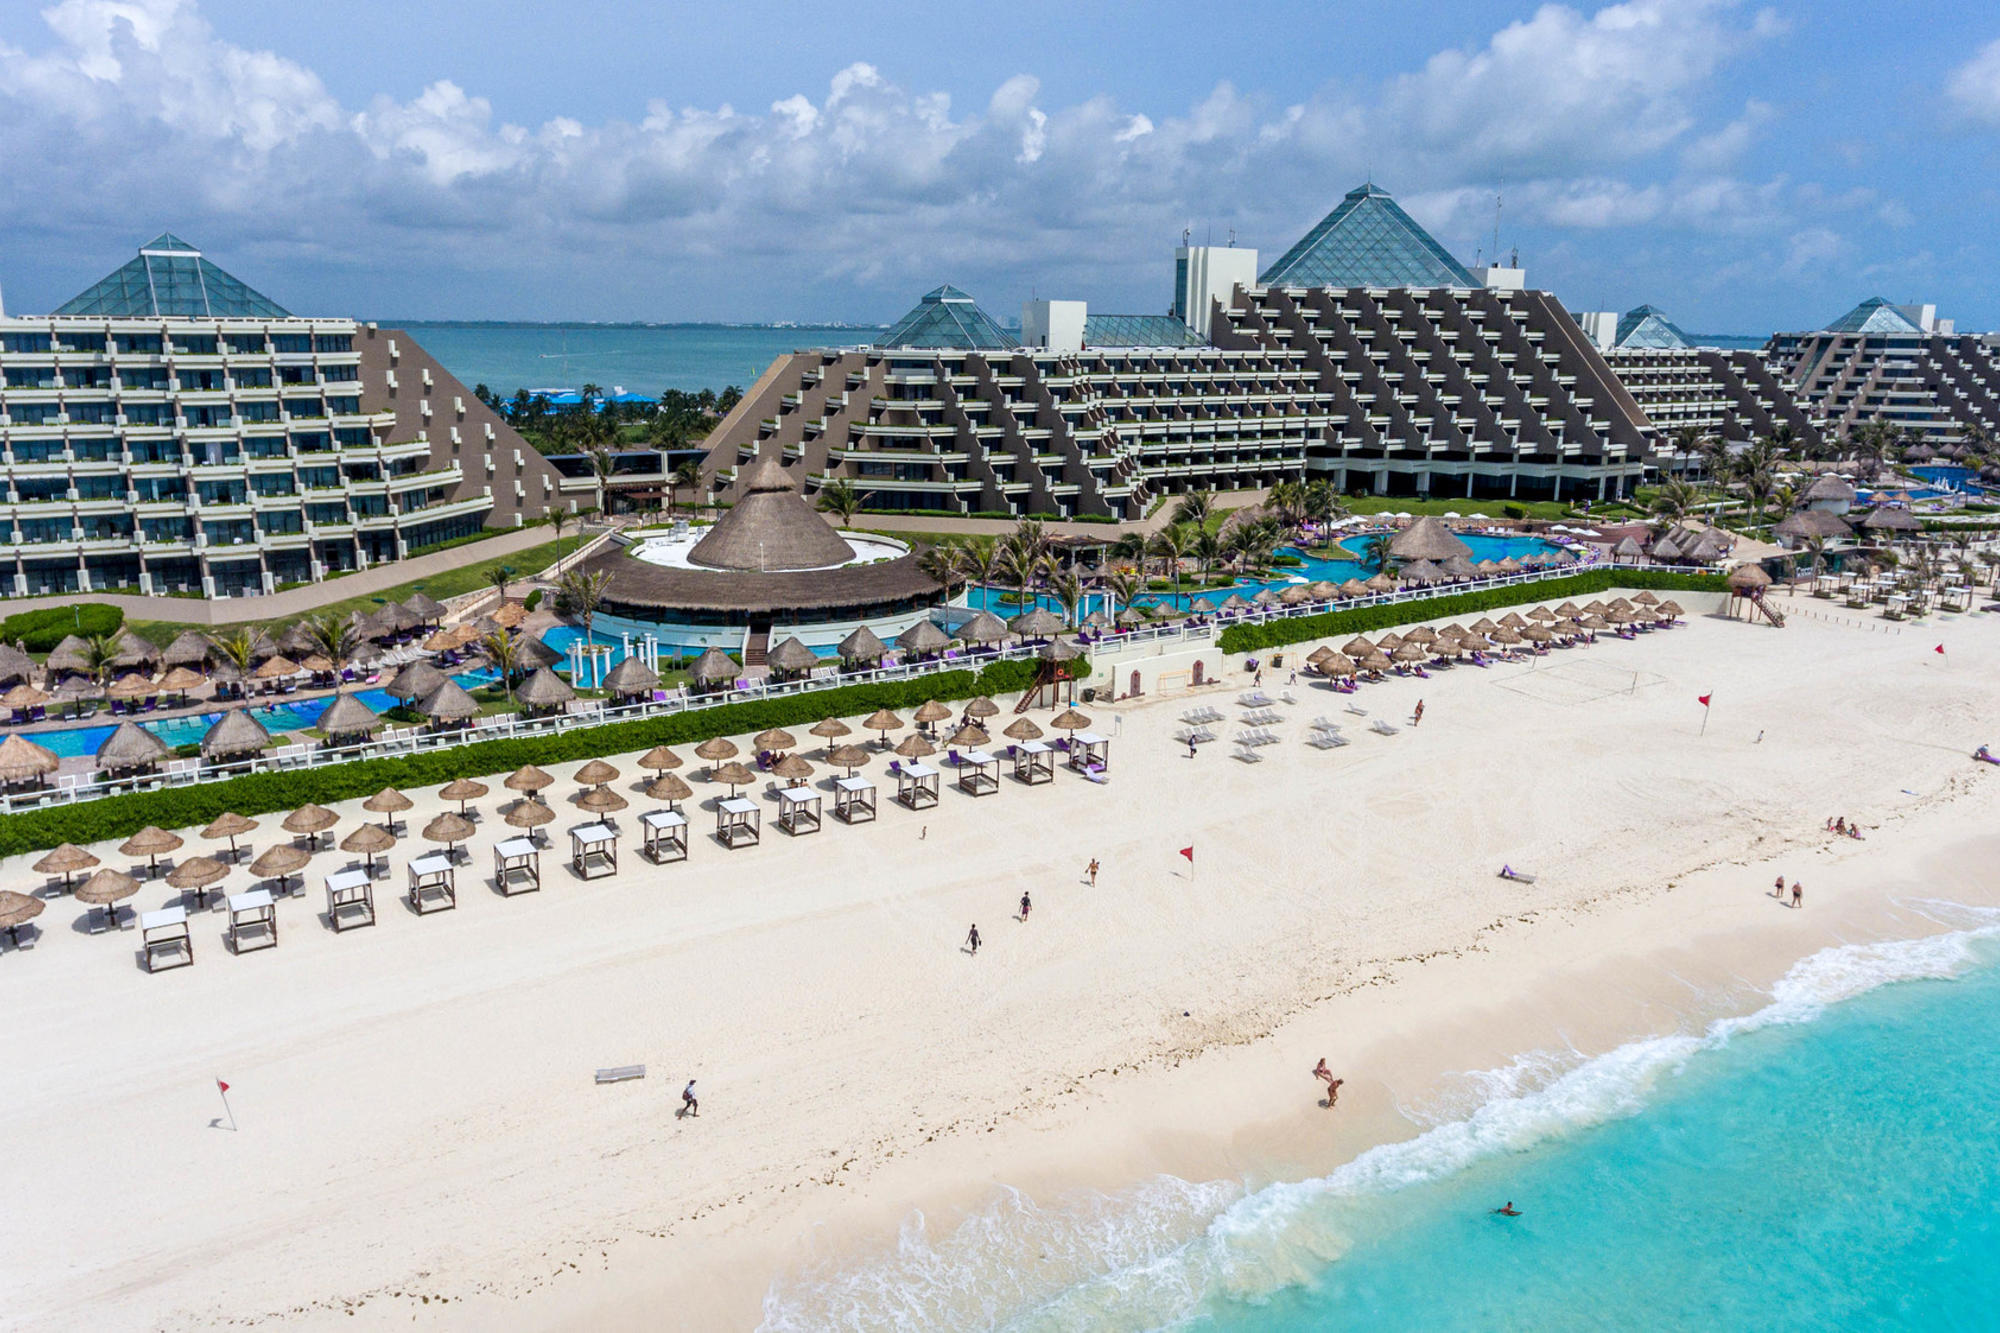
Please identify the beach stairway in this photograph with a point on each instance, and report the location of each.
(755, 648)
(1771, 613)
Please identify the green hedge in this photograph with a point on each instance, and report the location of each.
(112, 817)
(41, 631)
(1362, 619)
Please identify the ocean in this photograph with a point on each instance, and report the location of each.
(1826, 1161)
(644, 359)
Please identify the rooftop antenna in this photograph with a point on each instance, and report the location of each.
(1496, 218)
(1232, 238)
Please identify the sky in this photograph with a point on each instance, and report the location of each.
(1743, 167)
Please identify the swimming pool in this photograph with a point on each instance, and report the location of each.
(1312, 570)
(278, 718)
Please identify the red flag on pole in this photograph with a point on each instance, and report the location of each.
(223, 1086)
(1188, 852)
(1703, 700)
(1938, 649)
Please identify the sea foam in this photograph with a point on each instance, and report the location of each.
(1153, 1256)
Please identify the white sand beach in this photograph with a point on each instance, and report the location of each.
(418, 1139)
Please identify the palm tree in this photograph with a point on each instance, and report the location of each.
(1286, 503)
(688, 475)
(1123, 585)
(238, 648)
(1674, 500)
(1131, 546)
(499, 577)
(978, 559)
(1170, 544)
(1815, 546)
(100, 652)
(579, 593)
(504, 652)
(1017, 564)
(1379, 553)
(1716, 460)
(1759, 483)
(332, 637)
(1195, 508)
(839, 498)
(1207, 549)
(1067, 589)
(943, 564)
(559, 519)
(600, 467)
(1322, 502)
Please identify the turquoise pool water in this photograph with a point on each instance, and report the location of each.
(278, 718)
(1825, 1162)
(1313, 570)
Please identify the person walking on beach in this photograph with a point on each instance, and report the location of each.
(1779, 892)
(972, 938)
(1025, 906)
(1093, 872)
(689, 1106)
(1325, 1075)
(1417, 718)
(1798, 894)
(1190, 745)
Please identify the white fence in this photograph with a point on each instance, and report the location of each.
(414, 740)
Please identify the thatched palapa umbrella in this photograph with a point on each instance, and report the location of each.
(984, 627)
(791, 656)
(1070, 720)
(735, 774)
(22, 697)
(529, 814)
(309, 821)
(179, 680)
(849, 757)
(1039, 623)
(713, 751)
(1059, 650)
(923, 637)
(135, 685)
(793, 768)
(66, 860)
(970, 736)
(916, 746)
(347, 717)
(774, 740)
(712, 667)
(862, 646)
(449, 703)
(597, 773)
(16, 911)
(1335, 665)
(151, 842)
(189, 649)
(1427, 539)
(528, 780)
(1380, 583)
(423, 606)
(22, 759)
(107, 888)
(884, 721)
(601, 801)
(234, 733)
(369, 840)
(1023, 729)
(232, 826)
(930, 712)
(449, 829)
(669, 787)
(544, 689)
(535, 653)
(388, 802)
(659, 759)
(982, 707)
(196, 874)
(462, 790)
(631, 678)
(416, 681)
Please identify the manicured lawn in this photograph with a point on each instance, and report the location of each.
(452, 582)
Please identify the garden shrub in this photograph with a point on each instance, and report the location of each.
(41, 631)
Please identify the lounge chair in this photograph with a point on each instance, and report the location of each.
(1382, 728)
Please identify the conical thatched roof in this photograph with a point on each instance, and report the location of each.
(368, 840)
(631, 676)
(1070, 720)
(930, 710)
(923, 637)
(1891, 520)
(416, 681)
(791, 655)
(792, 766)
(388, 801)
(197, 872)
(132, 746)
(1427, 539)
(1666, 548)
(984, 627)
(1829, 487)
(15, 665)
(393, 619)
(735, 774)
(1422, 571)
(847, 756)
(774, 738)
(134, 651)
(669, 787)
(863, 645)
(528, 778)
(423, 606)
(914, 746)
(448, 827)
(545, 689)
(1036, 624)
(1233, 602)
(1628, 548)
(715, 748)
(713, 665)
(1023, 729)
(1744, 578)
(1335, 664)
(535, 653)
(135, 685)
(462, 789)
(596, 773)
(982, 707)
(105, 887)
(1380, 583)
(180, 679)
(21, 759)
(831, 728)
(970, 735)
(525, 813)
(279, 860)
(1358, 646)
(310, 818)
(659, 759)
(347, 716)
(18, 909)
(882, 720)
(229, 824)
(66, 859)
(69, 655)
(771, 527)
(235, 732)
(449, 703)
(1059, 650)
(150, 841)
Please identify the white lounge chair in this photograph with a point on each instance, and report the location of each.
(1381, 728)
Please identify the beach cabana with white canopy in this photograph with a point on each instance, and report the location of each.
(799, 810)
(433, 883)
(666, 834)
(517, 866)
(593, 850)
(853, 799)
(1034, 762)
(350, 899)
(1089, 754)
(916, 784)
(978, 773)
(738, 822)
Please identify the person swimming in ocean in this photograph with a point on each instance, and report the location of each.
(1508, 1210)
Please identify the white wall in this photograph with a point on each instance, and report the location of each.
(1056, 326)
(1213, 272)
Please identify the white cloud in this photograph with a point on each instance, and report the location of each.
(850, 199)
(1974, 87)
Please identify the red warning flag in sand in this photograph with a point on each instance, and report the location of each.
(1188, 852)
(1703, 700)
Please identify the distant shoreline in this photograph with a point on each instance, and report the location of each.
(606, 324)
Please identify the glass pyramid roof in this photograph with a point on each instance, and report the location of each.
(1139, 331)
(170, 277)
(1368, 241)
(1874, 315)
(947, 317)
(1647, 327)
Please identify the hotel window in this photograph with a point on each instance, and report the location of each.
(202, 381)
(82, 342)
(304, 407)
(94, 451)
(160, 490)
(245, 344)
(195, 344)
(343, 406)
(286, 343)
(138, 344)
(251, 377)
(333, 342)
(353, 437)
(26, 342)
(144, 378)
(99, 488)
(86, 377)
(339, 374)
(296, 375)
(33, 414)
(265, 446)
(265, 411)
(153, 451)
(92, 414)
